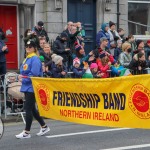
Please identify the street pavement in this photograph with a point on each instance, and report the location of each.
(70, 136)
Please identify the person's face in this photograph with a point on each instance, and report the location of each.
(132, 39)
(81, 51)
(142, 58)
(148, 44)
(106, 28)
(79, 24)
(129, 47)
(40, 27)
(113, 27)
(73, 30)
(105, 43)
(77, 65)
(95, 70)
(60, 63)
(141, 45)
(116, 64)
(122, 32)
(29, 49)
(42, 42)
(70, 24)
(29, 32)
(119, 44)
(64, 38)
(47, 48)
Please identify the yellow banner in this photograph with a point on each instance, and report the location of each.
(113, 102)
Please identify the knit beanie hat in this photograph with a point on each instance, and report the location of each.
(41, 58)
(76, 60)
(125, 45)
(138, 42)
(102, 55)
(93, 65)
(56, 58)
(111, 23)
(77, 46)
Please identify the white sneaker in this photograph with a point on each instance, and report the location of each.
(43, 131)
(23, 135)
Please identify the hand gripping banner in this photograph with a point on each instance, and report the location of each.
(112, 102)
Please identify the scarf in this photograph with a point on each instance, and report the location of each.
(29, 56)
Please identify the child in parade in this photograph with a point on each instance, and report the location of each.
(95, 72)
(58, 70)
(104, 64)
(77, 70)
(116, 68)
(31, 67)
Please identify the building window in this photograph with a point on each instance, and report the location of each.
(139, 12)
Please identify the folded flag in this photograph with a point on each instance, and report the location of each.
(87, 74)
(125, 72)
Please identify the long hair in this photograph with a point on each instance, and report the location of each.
(25, 33)
(104, 60)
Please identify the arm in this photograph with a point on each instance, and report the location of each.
(56, 74)
(78, 73)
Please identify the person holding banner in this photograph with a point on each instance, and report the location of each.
(31, 67)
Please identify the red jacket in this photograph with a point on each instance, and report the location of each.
(104, 69)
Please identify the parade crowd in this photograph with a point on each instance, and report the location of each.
(67, 56)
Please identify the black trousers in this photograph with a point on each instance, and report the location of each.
(31, 111)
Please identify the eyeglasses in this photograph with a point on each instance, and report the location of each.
(29, 46)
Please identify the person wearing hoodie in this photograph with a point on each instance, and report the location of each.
(3, 51)
(103, 33)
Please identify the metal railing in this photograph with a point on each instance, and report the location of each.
(137, 26)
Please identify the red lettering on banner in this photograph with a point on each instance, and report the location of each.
(105, 116)
(88, 115)
(75, 114)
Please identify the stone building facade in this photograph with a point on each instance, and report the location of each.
(54, 14)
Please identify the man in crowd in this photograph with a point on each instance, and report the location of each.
(40, 30)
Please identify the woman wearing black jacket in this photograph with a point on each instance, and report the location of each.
(3, 51)
(138, 64)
